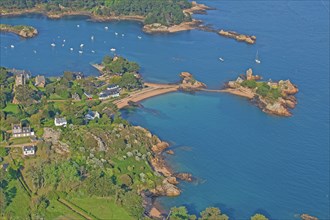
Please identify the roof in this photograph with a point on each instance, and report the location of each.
(60, 120)
(113, 86)
(28, 148)
(106, 93)
(91, 113)
(40, 79)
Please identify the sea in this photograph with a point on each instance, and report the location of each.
(244, 161)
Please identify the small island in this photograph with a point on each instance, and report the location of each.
(275, 98)
(21, 30)
(239, 37)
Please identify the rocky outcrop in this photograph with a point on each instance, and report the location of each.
(308, 217)
(287, 87)
(52, 136)
(196, 8)
(189, 83)
(170, 152)
(166, 189)
(250, 76)
(20, 30)
(278, 104)
(160, 28)
(160, 147)
(239, 37)
(184, 176)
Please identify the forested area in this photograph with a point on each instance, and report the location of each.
(166, 12)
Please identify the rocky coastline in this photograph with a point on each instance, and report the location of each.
(250, 39)
(276, 98)
(20, 30)
(168, 187)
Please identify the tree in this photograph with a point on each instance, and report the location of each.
(133, 203)
(129, 81)
(212, 213)
(24, 95)
(259, 217)
(180, 213)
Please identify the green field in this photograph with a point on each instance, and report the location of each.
(56, 210)
(13, 108)
(102, 208)
(20, 202)
(21, 140)
(56, 97)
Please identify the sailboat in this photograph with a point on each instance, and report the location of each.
(257, 59)
(221, 59)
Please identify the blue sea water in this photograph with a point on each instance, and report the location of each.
(245, 160)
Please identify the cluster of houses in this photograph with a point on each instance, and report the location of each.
(23, 76)
(112, 91)
(18, 130)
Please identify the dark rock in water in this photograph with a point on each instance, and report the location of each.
(184, 176)
(171, 152)
(135, 104)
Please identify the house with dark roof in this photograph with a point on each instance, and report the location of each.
(106, 94)
(60, 122)
(91, 115)
(40, 81)
(29, 150)
(19, 131)
(112, 91)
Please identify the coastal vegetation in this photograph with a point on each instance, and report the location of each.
(166, 12)
(20, 30)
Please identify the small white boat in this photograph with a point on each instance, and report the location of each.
(53, 45)
(80, 51)
(62, 45)
(113, 49)
(139, 37)
(34, 51)
(116, 33)
(71, 49)
(78, 25)
(92, 37)
(93, 51)
(81, 45)
(63, 41)
(12, 46)
(106, 28)
(257, 59)
(122, 35)
(221, 59)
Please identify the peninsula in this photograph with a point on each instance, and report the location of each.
(21, 30)
(275, 98)
(157, 16)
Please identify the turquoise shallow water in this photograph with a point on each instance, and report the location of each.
(245, 160)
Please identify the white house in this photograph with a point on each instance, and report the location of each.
(19, 131)
(60, 122)
(29, 150)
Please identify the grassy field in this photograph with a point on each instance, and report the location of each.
(11, 108)
(58, 211)
(21, 140)
(102, 208)
(20, 203)
(55, 97)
